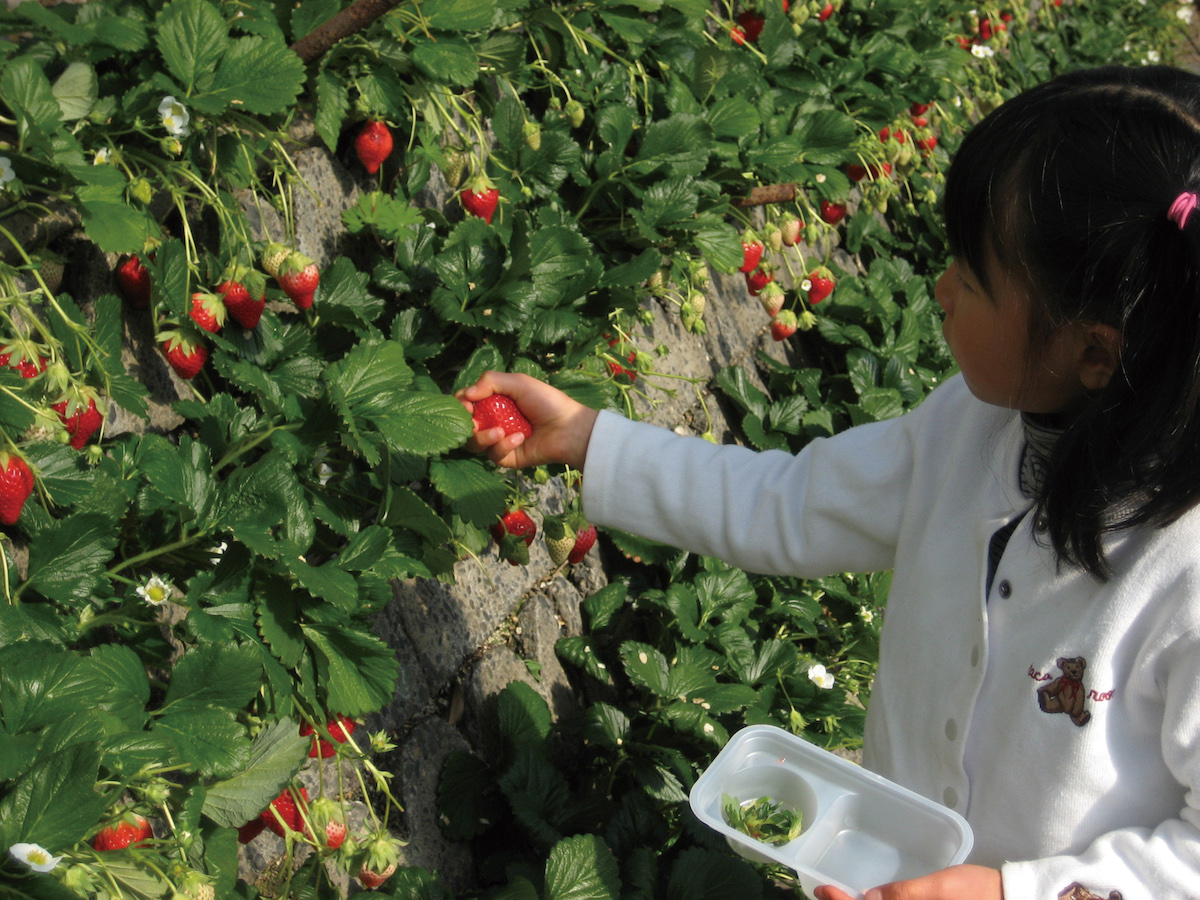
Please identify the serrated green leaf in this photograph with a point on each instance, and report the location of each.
(126, 689)
(473, 491)
(279, 622)
(582, 868)
(55, 803)
(39, 684)
(391, 219)
(606, 725)
(326, 582)
(447, 59)
(645, 666)
(467, 797)
(214, 675)
(680, 144)
(274, 759)
(602, 605)
(15, 414)
(27, 91)
(357, 670)
(461, 15)
(76, 90)
(67, 560)
(182, 474)
(524, 716)
(420, 423)
(192, 38)
(333, 102)
(700, 874)
(256, 75)
(209, 739)
(580, 651)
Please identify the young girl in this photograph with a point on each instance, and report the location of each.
(1040, 662)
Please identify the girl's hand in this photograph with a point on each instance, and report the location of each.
(561, 426)
(955, 883)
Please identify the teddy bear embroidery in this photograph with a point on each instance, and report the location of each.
(1076, 891)
(1066, 693)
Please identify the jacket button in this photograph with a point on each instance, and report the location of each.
(1004, 589)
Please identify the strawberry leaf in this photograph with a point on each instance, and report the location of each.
(67, 560)
(333, 103)
(275, 757)
(646, 667)
(210, 740)
(357, 669)
(192, 38)
(55, 802)
(213, 675)
(473, 491)
(606, 725)
(325, 582)
(447, 59)
(582, 868)
(700, 874)
(580, 651)
(523, 716)
(279, 622)
(467, 797)
(256, 75)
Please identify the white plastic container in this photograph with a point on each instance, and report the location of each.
(859, 829)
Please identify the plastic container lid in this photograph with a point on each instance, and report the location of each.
(859, 829)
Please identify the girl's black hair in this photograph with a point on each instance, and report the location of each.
(1068, 185)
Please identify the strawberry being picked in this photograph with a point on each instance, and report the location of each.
(500, 411)
(79, 413)
(16, 484)
(129, 832)
(238, 290)
(480, 198)
(373, 145)
(185, 354)
(514, 534)
(299, 277)
(585, 538)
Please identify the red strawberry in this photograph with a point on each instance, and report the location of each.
(789, 230)
(825, 13)
(518, 523)
(918, 109)
(985, 29)
(299, 277)
(752, 251)
(287, 809)
(920, 121)
(81, 419)
(29, 364)
(832, 213)
(584, 539)
(335, 834)
(373, 145)
(251, 830)
(856, 172)
(134, 281)
(617, 369)
(339, 727)
(822, 286)
(752, 24)
(186, 356)
(123, 834)
(240, 305)
(737, 34)
(759, 279)
(500, 411)
(783, 326)
(480, 198)
(884, 134)
(928, 144)
(371, 879)
(16, 484)
(207, 311)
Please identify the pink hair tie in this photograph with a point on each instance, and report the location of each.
(1182, 208)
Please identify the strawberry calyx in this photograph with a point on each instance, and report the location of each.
(30, 360)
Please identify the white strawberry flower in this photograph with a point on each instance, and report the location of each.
(867, 615)
(35, 856)
(1184, 14)
(820, 179)
(806, 285)
(174, 116)
(102, 156)
(982, 51)
(156, 591)
(217, 551)
(6, 170)
(1153, 56)
(818, 676)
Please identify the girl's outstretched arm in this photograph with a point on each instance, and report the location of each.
(955, 883)
(561, 426)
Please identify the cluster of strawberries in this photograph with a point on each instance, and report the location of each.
(981, 29)
(568, 538)
(786, 231)
(239, 295)
(79, 407)
(750, 21)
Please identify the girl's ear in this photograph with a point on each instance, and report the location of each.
(1100, 355)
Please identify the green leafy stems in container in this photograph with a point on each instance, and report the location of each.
(763, 819)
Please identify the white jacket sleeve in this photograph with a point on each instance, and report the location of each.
(836, 506)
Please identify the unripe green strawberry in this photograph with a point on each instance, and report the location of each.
(140, 189)
(772, 236)
(560, 547)
(574, 113)
(273, 257)
(454, 166)
(772, 297)
(699, 302)
(532, 133)
(806, 320)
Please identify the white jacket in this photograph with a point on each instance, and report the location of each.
(1089, 783)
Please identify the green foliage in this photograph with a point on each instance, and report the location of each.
(188, 600)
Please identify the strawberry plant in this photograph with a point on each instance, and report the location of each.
(188, 613)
